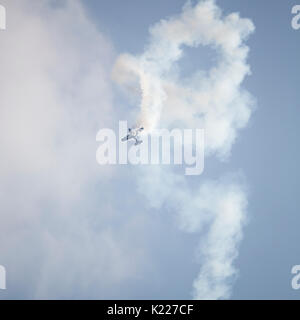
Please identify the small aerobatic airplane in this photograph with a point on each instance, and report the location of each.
(134, 134)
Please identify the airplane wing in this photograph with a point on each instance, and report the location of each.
(126, 138)
(130, 136)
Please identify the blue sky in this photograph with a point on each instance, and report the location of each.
(266, 150)
(85, 231)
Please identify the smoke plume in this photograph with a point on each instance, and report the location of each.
(213, 100)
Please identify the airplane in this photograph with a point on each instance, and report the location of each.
(133, 133)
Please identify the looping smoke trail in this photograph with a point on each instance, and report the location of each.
(213, 100)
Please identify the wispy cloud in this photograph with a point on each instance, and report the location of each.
(57, 239)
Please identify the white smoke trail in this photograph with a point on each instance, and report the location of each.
(133, 72)
(213, 101)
